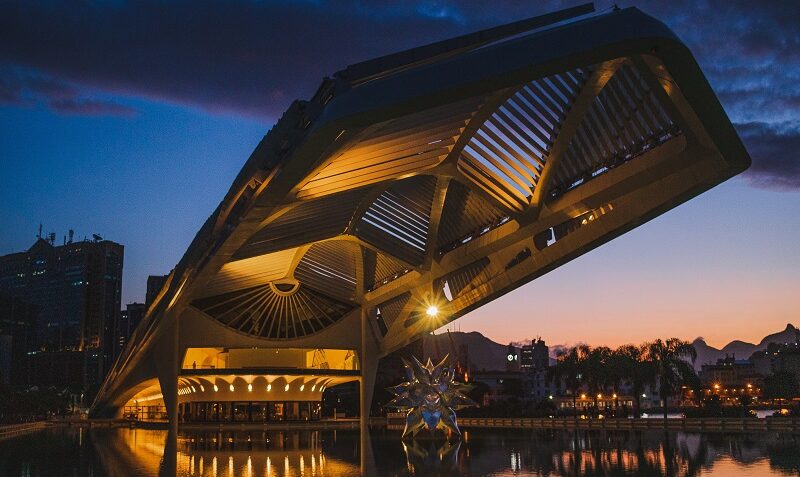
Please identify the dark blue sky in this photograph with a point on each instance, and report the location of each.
(130, 119)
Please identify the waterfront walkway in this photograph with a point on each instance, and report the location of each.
(14, 430)
(786, 424)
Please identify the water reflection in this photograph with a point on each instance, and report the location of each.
(73, 451)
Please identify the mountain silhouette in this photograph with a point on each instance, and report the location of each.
(707, 354)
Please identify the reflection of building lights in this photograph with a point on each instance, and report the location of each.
(432, 310)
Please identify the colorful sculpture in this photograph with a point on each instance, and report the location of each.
(431, 395)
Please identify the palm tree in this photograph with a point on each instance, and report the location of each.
(672, 360)
(636, 368)
(596, 370)
(569, 371)
(620, 368)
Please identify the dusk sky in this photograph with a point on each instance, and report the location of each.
(131, 119)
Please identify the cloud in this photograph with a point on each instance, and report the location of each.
(253, 57)
(20, 87)
(775, 149)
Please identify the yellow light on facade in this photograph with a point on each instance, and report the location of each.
(716, 386)
(749, 386)
(614, 396)
(583, 396)
(231, 386)
(432, 310)
(599, 396)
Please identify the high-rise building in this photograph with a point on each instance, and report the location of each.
(17, 338)
(535, 356)
(129, 319)
(77, 288)
(154, 285)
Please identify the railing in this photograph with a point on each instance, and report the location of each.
(14, 430)
(790, 424)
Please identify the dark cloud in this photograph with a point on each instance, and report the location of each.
(24, 88)
(775, 149)
(254, 57)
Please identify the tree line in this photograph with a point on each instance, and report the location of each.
(666, 364)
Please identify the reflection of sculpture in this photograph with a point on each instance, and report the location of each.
(435, 459)
(431, 395)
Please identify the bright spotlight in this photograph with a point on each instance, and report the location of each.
(432, 310)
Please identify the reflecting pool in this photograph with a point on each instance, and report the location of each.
(481, 452)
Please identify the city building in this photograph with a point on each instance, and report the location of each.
(535, 356)
(129, 318)
(414, 188)
(76, 288)
(17, 339)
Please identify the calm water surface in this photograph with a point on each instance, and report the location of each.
(482, 452)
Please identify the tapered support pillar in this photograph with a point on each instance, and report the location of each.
(369, 368)
(167, 365)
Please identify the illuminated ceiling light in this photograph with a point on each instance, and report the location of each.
(286, 388)
(202, 389)
(432, 311)
(231, 386)
(250, 387)
(269, 387)
(193, 389)
(216, 388)
(302, 386)
(313, 386)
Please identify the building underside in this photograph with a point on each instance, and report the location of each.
(443, 176)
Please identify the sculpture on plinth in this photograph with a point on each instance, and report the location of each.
(431, 395)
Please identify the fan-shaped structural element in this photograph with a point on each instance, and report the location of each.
(330, 267)
(250, 272)
(465, 213)
(506, 155)
(269, 312)
(398, 220)
(308, 221)
(380, 269)
(625, 120)
(411, 143)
